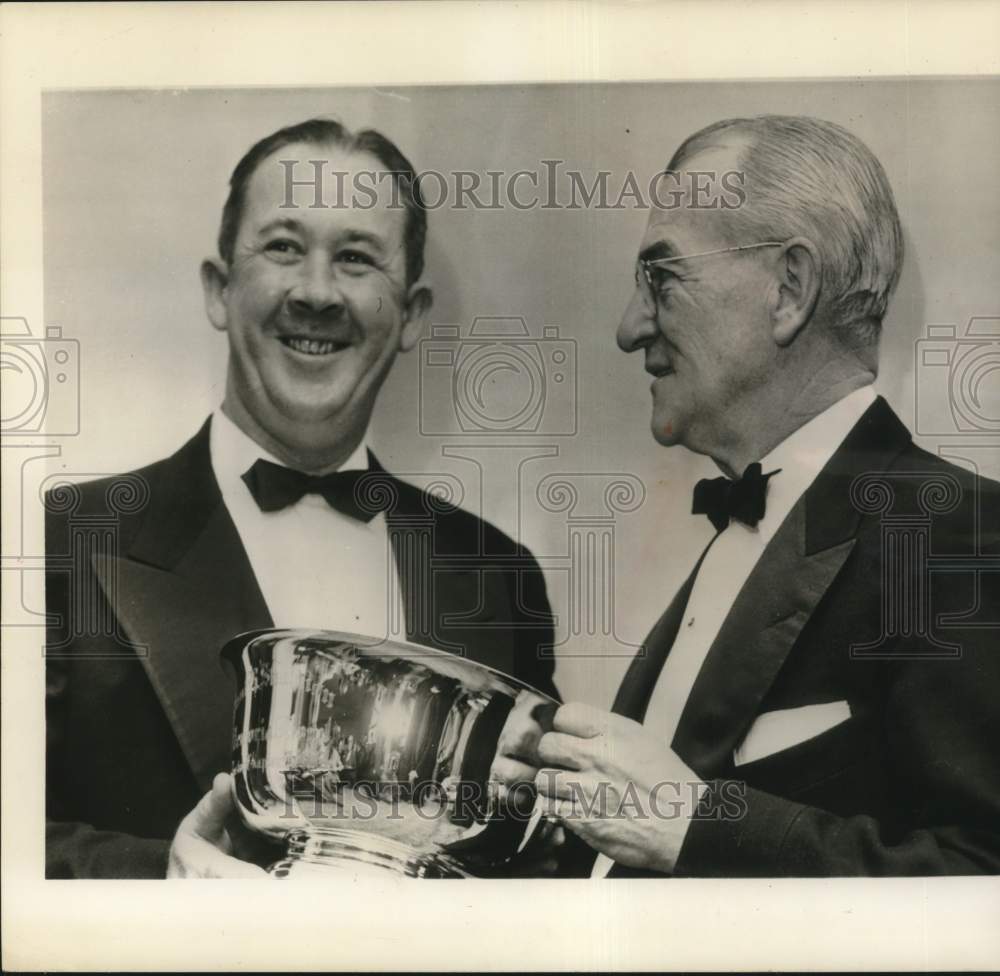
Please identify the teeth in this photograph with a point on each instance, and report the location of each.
(312, 347)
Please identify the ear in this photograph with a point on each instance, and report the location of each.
(419, 299)
(214, 281)
(799, 271)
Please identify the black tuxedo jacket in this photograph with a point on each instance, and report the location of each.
(138, 708)
(841, 606)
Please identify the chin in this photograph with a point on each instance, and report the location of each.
(665, 432)
(321, 403)
(303, 424)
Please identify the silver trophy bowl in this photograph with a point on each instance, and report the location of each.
(365, 754)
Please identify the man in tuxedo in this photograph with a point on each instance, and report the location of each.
(260, 520)
(820, 697)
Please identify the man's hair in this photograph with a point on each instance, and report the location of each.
(810, 178)
(328, 132)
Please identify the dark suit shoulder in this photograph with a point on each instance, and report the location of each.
(960, 502)
(182, 480)
(122, 497)
(457, 531)
(917, 459)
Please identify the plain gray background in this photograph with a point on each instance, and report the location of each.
(134, 182)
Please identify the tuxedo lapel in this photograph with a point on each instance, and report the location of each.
(772, 608)
(452, 598)
(796, 569)
(183, 590)
(439, 586)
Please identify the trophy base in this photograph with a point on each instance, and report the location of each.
(314, 854)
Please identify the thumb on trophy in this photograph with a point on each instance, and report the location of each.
(214, 809)
(202, 846)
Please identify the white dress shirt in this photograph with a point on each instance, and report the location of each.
(733, 555)
(316, 567)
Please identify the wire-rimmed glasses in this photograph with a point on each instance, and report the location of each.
(646, 268)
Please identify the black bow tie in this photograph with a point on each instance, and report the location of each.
(275, 487)
(722, 499)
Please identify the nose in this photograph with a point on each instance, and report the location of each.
(316, 291)
(638, 325)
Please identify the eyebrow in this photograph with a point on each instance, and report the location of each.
(281, 223)
(367, 237)
(661, 249)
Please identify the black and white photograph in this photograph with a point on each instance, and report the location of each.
(583, 488)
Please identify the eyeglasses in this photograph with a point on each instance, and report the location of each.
(646, 268)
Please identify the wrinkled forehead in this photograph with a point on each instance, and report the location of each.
(695, 204)
(325, 188)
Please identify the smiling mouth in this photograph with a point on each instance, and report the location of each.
(312, 347)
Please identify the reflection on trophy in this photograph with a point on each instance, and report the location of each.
(361, 753)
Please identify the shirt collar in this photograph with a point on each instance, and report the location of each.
(233, 453)
(805, 452)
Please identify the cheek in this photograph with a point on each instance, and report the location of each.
(724, 336)
(379, 317)
(375, 308)
(684, 323)
(256, 301)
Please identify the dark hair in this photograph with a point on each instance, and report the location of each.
(330, 132)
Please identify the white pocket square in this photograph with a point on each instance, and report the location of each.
(774, 731)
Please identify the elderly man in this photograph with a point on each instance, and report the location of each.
(255, 523)
(811, 702)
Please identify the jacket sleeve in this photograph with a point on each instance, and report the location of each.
(942, 729)
(781, 838)
(77, 850)
(74, 849)
(536, 630)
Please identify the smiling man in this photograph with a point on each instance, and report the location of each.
(256, 522)
(316, 301)
(814, 700)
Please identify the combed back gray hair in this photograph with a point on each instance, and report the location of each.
(810, 178)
